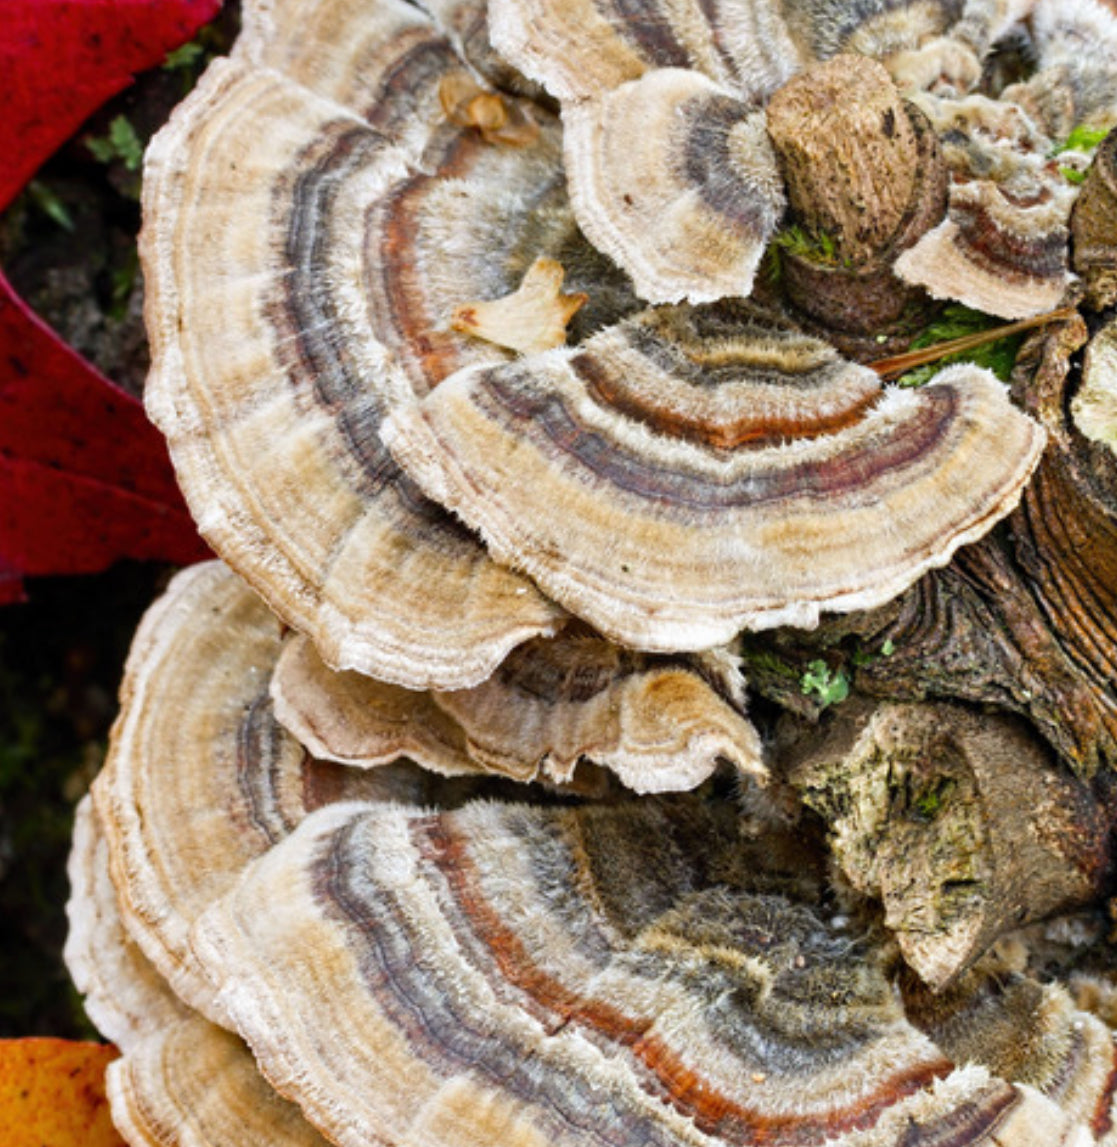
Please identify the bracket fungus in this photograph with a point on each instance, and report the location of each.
(449, 824)
(658, 724)
(714, 474)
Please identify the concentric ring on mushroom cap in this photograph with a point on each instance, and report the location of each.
(686, 474)
(1025, 1031)
(271, 373)
(657, 724)
(507, 974)
(123, 993)
(191, 1084)
(199, 777)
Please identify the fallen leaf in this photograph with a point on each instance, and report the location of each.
(62, 59)
(84, 477)
(52, 1094)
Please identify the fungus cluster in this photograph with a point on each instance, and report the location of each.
(517, 362)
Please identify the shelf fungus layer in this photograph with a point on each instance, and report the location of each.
(199, 777)
(657, 723)
(280, 344)
(122, 992)
(688, 473)
(681, 87)
(1003, 247)
(1032, 1032)
(508, 974)
(191, 1084)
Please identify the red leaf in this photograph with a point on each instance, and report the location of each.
(62, 59)
(84, 477)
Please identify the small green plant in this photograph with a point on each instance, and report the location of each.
(184, 59)
(863, 657)
(121, 144)
(1083, 138)
(46, 201)
(1073, 174)
(956, 321)
(830, 686)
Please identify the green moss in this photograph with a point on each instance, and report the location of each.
(814, 246)
(957, 321)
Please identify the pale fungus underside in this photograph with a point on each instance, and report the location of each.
(500, 803)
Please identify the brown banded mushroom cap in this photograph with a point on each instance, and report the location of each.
(689, 212)
(124, 995)
(686, 474)
(1094, 406)
(657, 724)
(1020, 1029)
(356, 720)
(1001, 249)
(191, 1084)
(383, 62)
(272, 372)
(506, 974)
(199, 777)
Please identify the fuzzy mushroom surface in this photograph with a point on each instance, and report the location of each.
(687, 474)
(658, 724)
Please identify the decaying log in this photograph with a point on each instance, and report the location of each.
(864, 170)
(960, 822)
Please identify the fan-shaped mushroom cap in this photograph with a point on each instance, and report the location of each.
(283, 286)
(1001, 249)
(191, 1084)
(579, 50)
(658, 725)
(1076, 77)
(687, 474)
(1026, 1031)
(518, 975)
(124, 995)
(357, 720)
(1003, 246)
(687, 213)
(199, 776)
(1094, 407)
(382, 61)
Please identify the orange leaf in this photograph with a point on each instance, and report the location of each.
(52, 1094)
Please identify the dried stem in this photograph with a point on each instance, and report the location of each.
(899, 364)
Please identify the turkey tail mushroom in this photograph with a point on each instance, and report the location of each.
(688, 473)
(656, 723)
